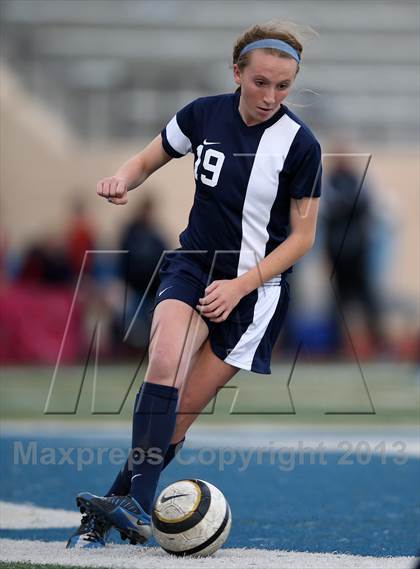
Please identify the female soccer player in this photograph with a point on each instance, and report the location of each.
(223, 295)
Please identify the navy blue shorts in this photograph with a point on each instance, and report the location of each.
(246, 338)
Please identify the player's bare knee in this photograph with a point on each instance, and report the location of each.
(163, 365)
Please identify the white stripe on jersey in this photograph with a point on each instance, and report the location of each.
(261, 192)
(243, 353)
(177, 138)
(262, 189)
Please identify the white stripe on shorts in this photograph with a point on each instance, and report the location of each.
(177, 138)
(243, 353)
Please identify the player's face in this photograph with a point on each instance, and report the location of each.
(265, 82)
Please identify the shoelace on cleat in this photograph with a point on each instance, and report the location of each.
(93, 528)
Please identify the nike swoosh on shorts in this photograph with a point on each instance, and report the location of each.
(162, 291)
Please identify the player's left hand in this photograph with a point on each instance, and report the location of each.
(220, 299)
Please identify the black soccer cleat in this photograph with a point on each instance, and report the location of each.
(122, 512)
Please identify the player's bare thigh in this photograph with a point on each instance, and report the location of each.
(177, 334)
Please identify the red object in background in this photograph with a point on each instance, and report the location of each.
(32, 324)
(80, 240)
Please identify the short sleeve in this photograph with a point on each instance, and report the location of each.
(306, 181)
(177, 135)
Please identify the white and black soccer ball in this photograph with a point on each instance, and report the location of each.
(191, 517)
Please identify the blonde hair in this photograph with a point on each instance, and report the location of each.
(275, 29)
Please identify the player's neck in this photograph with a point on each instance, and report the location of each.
(248, 119)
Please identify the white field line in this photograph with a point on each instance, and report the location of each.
(27, 516)
(123, 556)
(380, 439)
(336, 440)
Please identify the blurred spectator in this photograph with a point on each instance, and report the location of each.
(348, 226)
(46, 263)
(80, 238)
(32, 267)
(3, 260)
(34, 310)
(145, 244)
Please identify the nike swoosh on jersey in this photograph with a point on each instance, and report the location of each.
(205, 142)
(166, 498)
(162, 291)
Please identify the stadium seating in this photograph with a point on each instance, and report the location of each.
(135, 62)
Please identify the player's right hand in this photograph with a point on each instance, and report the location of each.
(114, 189)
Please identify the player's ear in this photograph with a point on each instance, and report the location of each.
(236, 74)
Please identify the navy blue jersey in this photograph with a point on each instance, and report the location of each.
(245, 178)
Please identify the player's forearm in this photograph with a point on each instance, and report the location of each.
(138, 168)
(133, 171)
(278, 261)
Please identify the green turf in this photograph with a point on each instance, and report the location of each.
(327, 393)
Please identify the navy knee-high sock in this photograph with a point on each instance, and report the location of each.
(153, 425)
(122, 482)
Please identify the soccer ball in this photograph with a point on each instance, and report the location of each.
(191, 517)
